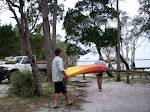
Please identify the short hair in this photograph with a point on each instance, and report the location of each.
(57, 51)
(100, 58)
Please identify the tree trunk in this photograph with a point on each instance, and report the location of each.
(23, 49)
(124, 61)
(54, 26)
(24, 33)
(35, 70)
(47, 39)
(99, 50)
(118, 46)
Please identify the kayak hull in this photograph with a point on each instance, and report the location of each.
(85, 69)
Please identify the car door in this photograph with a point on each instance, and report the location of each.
(25, 66)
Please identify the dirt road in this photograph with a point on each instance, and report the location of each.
(117, 97)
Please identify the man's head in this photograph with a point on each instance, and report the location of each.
(58, 52)
(100, 58)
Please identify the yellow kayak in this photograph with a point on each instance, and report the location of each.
(84, 69)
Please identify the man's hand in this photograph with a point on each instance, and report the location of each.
(66, 76)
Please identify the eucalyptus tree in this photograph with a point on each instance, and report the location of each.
(118, 40)
(27, 15)
(54, 26)
(144, 12)
(135, 35)
(125, 31)
(87, 23)
(47, 37)
(48, 8)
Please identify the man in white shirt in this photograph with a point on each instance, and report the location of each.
(57, 77)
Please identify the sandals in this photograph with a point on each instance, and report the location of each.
(71, 103)
(55, 107)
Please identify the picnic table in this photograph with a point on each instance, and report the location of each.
(141, 68)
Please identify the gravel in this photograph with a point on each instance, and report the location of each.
(117, 97)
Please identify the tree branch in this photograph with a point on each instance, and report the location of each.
(36, 29)
(14, 5)
(35, 22)
(13, 11)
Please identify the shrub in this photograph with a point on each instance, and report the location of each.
(22, 84)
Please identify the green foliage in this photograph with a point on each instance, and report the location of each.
(109, 38)
(22, 84)
(37, 44)
(9, 41)
(73, 49)
(145, 14)
(85, 23)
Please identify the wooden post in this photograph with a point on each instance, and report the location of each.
(83, 76)
(127, 77)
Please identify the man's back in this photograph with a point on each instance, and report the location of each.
(100, 62)
(57, 67)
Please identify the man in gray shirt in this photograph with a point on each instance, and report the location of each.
(100, 75)
(57, 77)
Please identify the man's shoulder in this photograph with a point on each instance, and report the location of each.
(58, 58)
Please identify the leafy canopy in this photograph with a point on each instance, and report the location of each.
(87, 23)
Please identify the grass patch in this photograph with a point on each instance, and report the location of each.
(14, 103)
(22, 84)
(136, 78)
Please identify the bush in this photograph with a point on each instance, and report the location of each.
(22, 84)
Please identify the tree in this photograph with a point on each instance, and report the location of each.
(118, 44)
(144, 12)
(125, 42)
(47, 38)
(85, 23)
(25, 32)
(135, 36)
(37, 44)
(9, 41)
(54, 26)
(50, 43)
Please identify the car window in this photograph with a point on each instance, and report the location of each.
(18, 59)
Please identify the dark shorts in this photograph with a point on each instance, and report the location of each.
(99, 75)
(60, 87)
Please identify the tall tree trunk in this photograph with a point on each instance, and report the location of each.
(24, 32)
(35, 70)
(118, 46)
(54, 26)
(23, 49)
(123, 60)
(47, 38)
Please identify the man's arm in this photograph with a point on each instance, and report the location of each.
(66, 76)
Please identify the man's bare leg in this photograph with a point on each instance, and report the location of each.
(56, 99)
(100, 82)
(67, 99)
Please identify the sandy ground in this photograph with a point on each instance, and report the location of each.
(116, 97)
(3, 89)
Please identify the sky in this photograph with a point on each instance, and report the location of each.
(130, 6)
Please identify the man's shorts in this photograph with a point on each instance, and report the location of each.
(99, 74)
(60, 87)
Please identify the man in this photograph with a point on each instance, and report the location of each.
(99, 75)
(57, 77)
